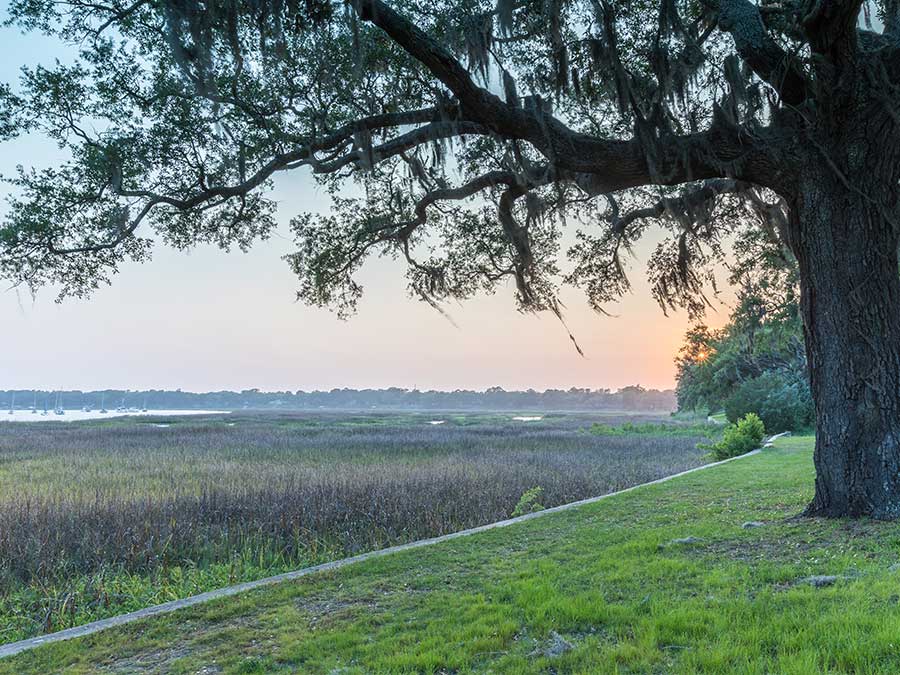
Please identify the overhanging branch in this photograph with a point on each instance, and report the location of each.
(617, 164)
(742, 20)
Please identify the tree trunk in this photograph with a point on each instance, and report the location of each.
(845, 239)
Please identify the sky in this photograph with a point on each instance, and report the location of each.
(208, 320)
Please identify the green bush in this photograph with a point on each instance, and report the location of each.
(528, 502)
(753, 427)
(781, 400)
(739, 438)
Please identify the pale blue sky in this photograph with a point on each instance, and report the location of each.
(209, 320)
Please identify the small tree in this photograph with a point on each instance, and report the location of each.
(475, 129)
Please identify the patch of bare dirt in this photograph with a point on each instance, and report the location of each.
(322, 611)
(158, 661)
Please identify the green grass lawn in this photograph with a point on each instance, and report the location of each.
(602, 588)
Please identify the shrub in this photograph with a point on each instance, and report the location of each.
(739, 438)
(528, 502)
(782, 400)
(752, 427)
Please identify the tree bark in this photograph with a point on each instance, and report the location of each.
(845, 238)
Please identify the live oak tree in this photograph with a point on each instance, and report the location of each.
(475, 133)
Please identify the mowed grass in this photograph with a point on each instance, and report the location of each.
(601, 588)
(97, 519)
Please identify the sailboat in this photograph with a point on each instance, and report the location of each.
(12, 405)
(144, 409)
(34, 405)
(58, 410)
(45, 408)
(103, 409)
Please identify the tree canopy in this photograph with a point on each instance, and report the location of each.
(474, 130)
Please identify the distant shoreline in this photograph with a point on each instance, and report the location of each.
(628, 399)
(79, 415)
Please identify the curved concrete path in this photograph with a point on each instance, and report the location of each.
(96, 626)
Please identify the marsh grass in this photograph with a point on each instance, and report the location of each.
(629, 428)
(101, 518)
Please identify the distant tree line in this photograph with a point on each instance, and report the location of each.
(632, 398)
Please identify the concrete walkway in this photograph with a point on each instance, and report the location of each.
(96, 626)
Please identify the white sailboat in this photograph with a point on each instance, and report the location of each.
(58, 410)
(12, 404)
(103, 409)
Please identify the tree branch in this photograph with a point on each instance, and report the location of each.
(685, 203)
(617, 164)
(742, 20)
(472, 187)
(831, 28)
